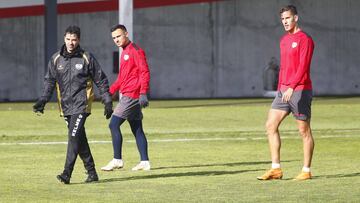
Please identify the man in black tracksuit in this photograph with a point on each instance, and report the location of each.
(72, 71)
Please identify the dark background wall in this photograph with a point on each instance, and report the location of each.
(201, 50)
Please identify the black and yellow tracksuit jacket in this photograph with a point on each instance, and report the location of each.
(73, 75)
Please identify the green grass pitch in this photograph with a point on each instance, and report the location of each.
(200, 151)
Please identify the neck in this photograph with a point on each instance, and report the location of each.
(294, 30)
(126, 44)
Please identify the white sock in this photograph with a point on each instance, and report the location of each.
(117, 160)
(275, 165)
(306, 169)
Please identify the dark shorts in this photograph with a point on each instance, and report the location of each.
(128, 108)
(299, 104)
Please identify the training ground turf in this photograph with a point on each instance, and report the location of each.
(200, 151)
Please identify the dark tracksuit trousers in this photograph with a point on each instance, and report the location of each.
(138, 132)
(77, 144)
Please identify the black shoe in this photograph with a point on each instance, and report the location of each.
(92, 177)
(63, 178)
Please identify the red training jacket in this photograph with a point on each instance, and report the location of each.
(134, 75)
(296, 51)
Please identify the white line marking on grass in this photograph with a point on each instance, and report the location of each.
(180, 140)
(50, 143)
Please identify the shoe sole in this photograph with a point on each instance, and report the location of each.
(112, 168)
(141, 169)
(62, 180)
(271, 178)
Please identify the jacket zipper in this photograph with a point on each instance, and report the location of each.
(70, 81)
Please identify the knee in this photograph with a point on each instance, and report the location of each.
(136, 127)
(113, 125)
(135, 130)
(270, 127)
(305, 132)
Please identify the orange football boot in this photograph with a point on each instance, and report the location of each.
(274, 173)
(303, 176)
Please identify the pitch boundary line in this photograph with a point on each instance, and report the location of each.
(177, 140)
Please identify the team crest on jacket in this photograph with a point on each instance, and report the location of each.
(294, 44)
(78, 66)
(126, 57)
(60, 67)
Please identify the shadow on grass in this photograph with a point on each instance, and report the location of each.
(337, 176)
(330, 176)
(175, 175)
(195, 173)
(208, 173)
(219, 164)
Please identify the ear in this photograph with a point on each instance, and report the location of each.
(296, 18)
(126, 34)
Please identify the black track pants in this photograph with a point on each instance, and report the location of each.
(77, 144)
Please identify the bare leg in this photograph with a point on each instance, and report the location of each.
(275, 117)
(308, 141)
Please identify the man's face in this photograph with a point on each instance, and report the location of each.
(289, 21)
(120, 37)
(71, 42)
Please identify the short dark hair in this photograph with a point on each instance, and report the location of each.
(73, 29)
(118, 26)
(290, 8)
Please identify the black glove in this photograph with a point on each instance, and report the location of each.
(108, 110)
(115, 96)
(143, 100)
(39, 106)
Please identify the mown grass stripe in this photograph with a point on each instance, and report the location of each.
(178, 140)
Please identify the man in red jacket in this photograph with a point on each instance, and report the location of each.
(133, 85)
(294, 93)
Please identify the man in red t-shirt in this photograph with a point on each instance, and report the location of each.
(294, 93)
(132, 85)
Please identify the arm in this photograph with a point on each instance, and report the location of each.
(144, 78)
(115, 86)
(306, 51)
(144, 72)
(99, 79)
(49, 81)
(102, 83)
(49, 85)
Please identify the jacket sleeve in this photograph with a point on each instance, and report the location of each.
(144, 72)
(99, 79)
(306, 51)
(49, 81)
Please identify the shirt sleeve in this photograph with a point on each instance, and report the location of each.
(306, 51)
(144, 72)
